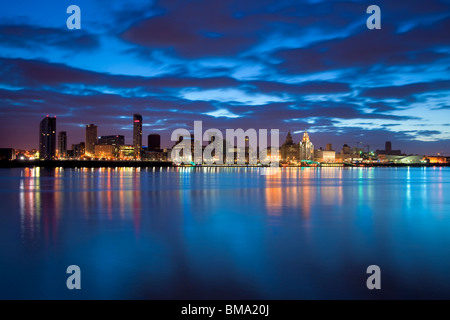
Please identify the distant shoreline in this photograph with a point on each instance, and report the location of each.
(146, 164)
(82, 164)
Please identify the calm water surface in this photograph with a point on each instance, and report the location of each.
(225, 233)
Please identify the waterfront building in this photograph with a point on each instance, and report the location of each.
(436, 159)
(348, 154)
(115, 140)
(126, 152)
(306, 148)
(91, 140)
(324, 156)
(388, 150)
(47, 138)
(413, 159)
(78, 150)
(62, 145)
(7, 154)
(346, 149)
(159, 155)
(290, 151)
(104, 151)
(137, 135)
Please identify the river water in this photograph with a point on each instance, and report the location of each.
(225, 233)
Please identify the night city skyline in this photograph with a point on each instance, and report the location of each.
(288, 65)
(235, 147)
(225, 158)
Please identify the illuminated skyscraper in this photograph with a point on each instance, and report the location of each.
(91, 139)
(306, 148)
(47, 138)
(62, 144)
(137, 135)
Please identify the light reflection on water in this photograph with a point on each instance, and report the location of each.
(225, 232)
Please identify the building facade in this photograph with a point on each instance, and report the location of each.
(78, 150)
(290, 151)
(7, 154)
(91, 139)
(306, 148)
(105, 152)
(47, 138)
(126, 152)
(62, 145)
(324, 156)
(388, 150)
(137, 135)
(109, 141)
(116, 140)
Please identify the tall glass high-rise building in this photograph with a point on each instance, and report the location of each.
(137, 135)
(47, 138)
(62, 144)
(91, 139)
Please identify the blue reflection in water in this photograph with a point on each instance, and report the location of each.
(180, 233)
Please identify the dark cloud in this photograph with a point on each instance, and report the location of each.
(370, 47)
(30, 37)
(403, 92)
(204, 28)
(381, 107)
(211, 31)
(427, 132)
(312, 87)
(36, 74)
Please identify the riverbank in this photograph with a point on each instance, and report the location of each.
(146, 164)
(82, 164)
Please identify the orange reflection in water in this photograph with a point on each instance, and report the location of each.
(136, 178)
(92, 193)
(30, 204)
(119, 191)
(299, 188)
(41, 204)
